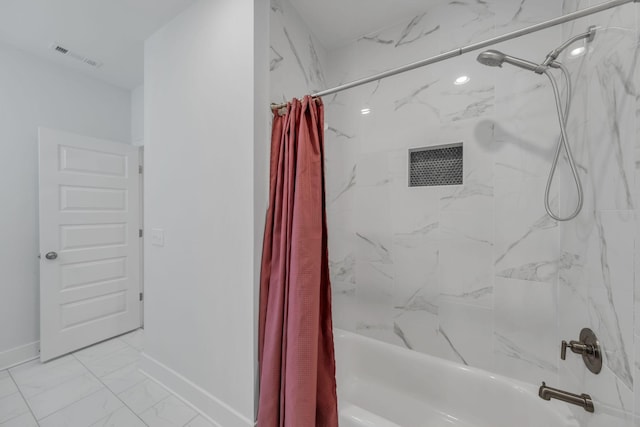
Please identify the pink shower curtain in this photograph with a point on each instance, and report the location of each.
(296, 354)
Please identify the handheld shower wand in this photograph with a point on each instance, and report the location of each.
(494, 58)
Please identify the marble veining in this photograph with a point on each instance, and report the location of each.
(514, 351)
(343, 270)
(382, 271)
(292, 46)
(398, 331)
(541, 271)
(384, 255)
(453, 347)
(377, 39)
(351, 183)
(276, 6)
(315, 70)
(276, 59)
(418, 302)
(476, 294)
(339, 134)
(402, 239)
(413, 96)
(412, 33)
(617, 359)
(544, 223)
(516, 15)
(475, 109)
(470, 188)
(477, 19)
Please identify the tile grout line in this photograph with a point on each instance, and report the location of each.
(64, 382)
(116, 395)
(88, 371)
(66, 406)
(180, 398)
(23, 398)
(59, 384)
(194, 417)
(125, 389)
(102, 358)
(104, 386)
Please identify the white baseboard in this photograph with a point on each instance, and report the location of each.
(212, 408)
(18, 355)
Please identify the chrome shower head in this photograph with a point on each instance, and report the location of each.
(494, 58)
(491, 58)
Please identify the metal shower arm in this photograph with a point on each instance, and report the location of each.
(553, 55)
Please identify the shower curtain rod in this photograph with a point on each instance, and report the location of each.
(470, 48)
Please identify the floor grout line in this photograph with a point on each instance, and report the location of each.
(23, 398)
(181, 399)
(104, 386)
(116, 395)
(57, 385)
(128, 388)
(70, 404)
(110, 355)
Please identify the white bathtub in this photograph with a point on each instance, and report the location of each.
(382, 385)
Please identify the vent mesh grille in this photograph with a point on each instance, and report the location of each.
(435, 166)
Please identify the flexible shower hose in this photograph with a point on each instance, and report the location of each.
(563, 142)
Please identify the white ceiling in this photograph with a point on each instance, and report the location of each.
(109, 31)
(337, 22)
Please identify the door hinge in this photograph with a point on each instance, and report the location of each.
(141, 296)
(140, 168)
(140, 232)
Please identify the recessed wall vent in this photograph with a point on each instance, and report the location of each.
(75, 55)
(440, 165)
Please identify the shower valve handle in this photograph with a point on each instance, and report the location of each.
(577, 347)
(588, 347)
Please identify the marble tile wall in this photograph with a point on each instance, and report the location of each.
(479, 273)
(297, 65)
(469, 272)
(599, 249)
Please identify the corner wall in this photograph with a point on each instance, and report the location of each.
(205, 124)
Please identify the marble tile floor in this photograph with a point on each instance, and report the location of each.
(99, 386)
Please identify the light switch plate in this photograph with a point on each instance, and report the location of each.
(157, 237)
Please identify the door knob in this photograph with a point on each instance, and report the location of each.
(51, 255)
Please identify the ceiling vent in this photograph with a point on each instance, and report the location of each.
(75, 55)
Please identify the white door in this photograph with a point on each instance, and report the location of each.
(89, 241)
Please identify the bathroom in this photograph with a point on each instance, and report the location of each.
(465, 285)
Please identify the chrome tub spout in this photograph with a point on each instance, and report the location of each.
(548, 393)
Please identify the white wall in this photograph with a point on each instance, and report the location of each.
(33, 93)
(137, 115)
(200, 80)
